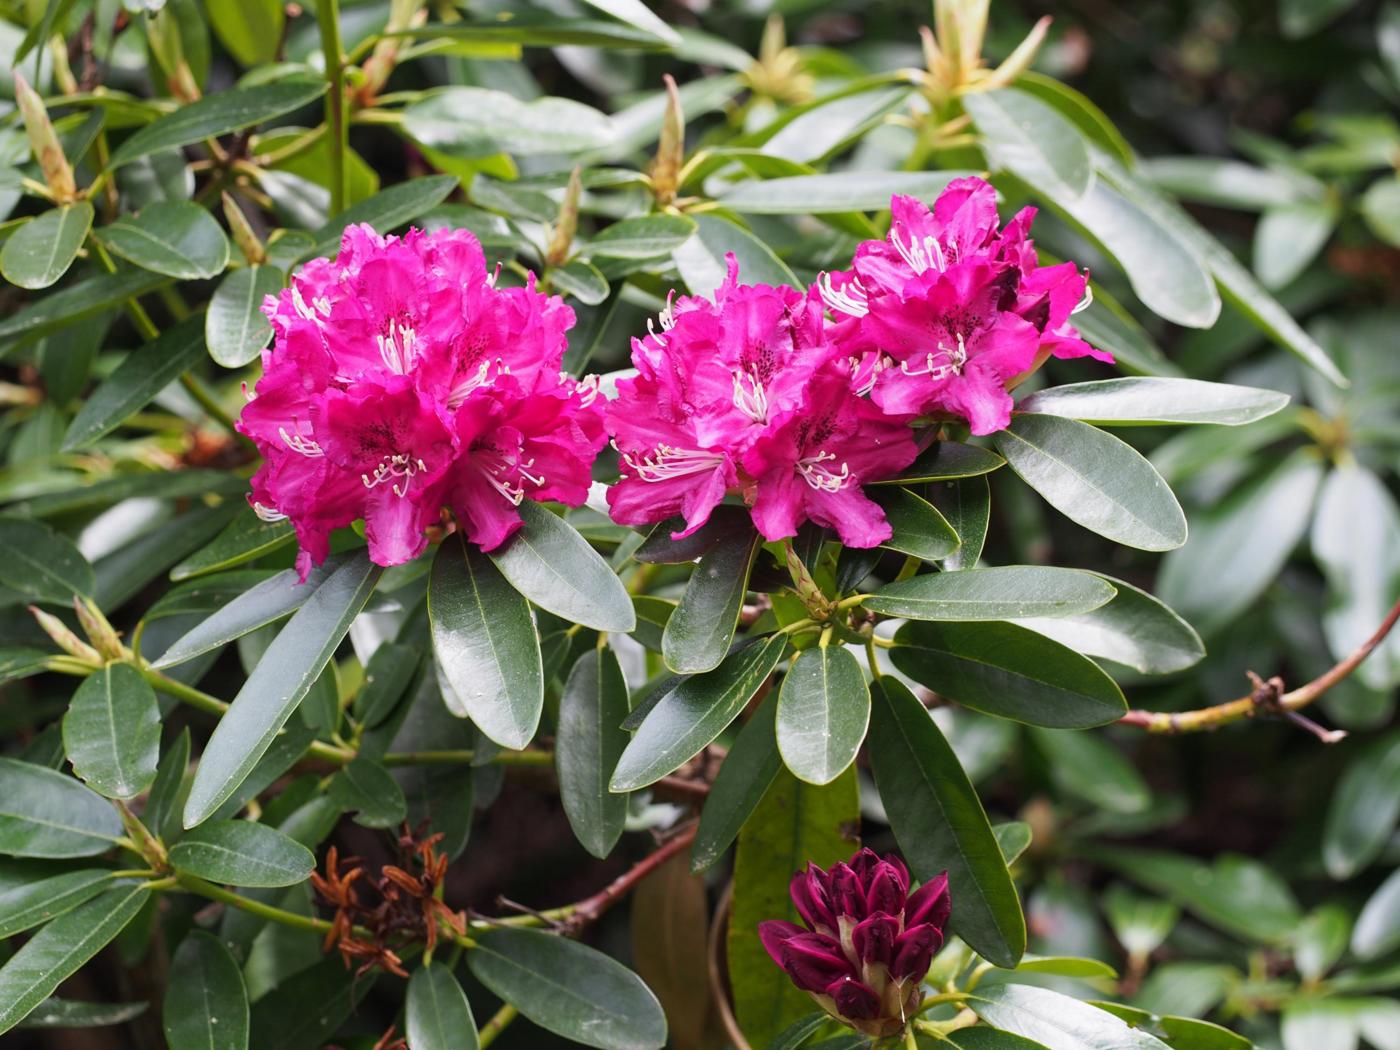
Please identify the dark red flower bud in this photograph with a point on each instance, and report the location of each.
(774, 934)
(808, 891)
(913, 952)
(815, 961)
(874, 939)
(855, 1000)
(929, 903)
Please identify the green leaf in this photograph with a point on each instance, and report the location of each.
(176, 238)
(1153, 400)
(17, 662)
(167, 795)
(247, 537)
(206, 1002)
(569, 989)
(438, 1016)
(387, 209)
(286, 749)
(826, 194)
(1091, 121)
(250, 29)
(1320, 940)
(699, 632)
(695, 711)
(40, 252)
(32, 893)
(234, 327)
(1364, 808)
(142, 375)
(581, 279)
(218, 114)
(1238, 545)
(242, 853)
(642, 237)
(475, 122)
(1308, 1024)
(945, 461)
(940, 824)
(1004, 670)
(588, 745)
(486, 645)
(966, 505)
(1380, 207)
(387, 677)
(111, 732)
(551, 564)
(46, 814)
(999, 593)
(636, 13)
(284, 1017)
(1134, 629)
(42, 564)
(539, 29)
(747, 772)
(1141, 924)
(701, 261)
(1094, 479)
(823, 709)
(268, 601)
(78, 302)
(365, 787)
(1013, 838)
(658, 548)
(277, 685)
(821, 129)
(1288, 239)
(1091, 769)
(1057, 1021)
(70, 1013)
(1377, 929)
(1029, 138)
(61, 948)
(1228, 183)
(795, 824)
(1066, 966)
(918, 527)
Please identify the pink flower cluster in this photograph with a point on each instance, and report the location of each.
(402, 380)
(760, 394)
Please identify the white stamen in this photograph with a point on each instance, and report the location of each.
(394, 468)
(752, 400)
(587, 388)
(1087, 301)
(666, 319)
(822, 478)
(920, 255)
(668, 462)
(398, 353)
(492, 277)
(487, 371)
(268, 514)
(848, 300)
(879, 365)
(952, 362)
(305, 445)
(300, 304)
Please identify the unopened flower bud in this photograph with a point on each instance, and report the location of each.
(564, 230)
(868, 941)
(670, 151)
(98, 630)
(1019, 60)
(58, 173)
(65, 639)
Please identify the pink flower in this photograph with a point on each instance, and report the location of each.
(948, 312)
(749, 395)
(867, 943)
(402, 380)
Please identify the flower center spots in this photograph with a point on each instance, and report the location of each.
(667, 462)
(821, 477)
(941, 364)
(398, 470)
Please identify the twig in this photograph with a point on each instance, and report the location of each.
(588, 911)
(492, 1028)
(1267, 697)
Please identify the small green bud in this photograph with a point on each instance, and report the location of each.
(564, 230)
(48, 152)
(243, 235)
(670, 151)
(65, 639)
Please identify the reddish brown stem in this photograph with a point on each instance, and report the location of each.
(589, 910)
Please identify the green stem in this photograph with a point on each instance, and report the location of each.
(452, 758)
(263, 911)
(328, 15)
(137, 312)
(492, 1028)
(206, 400)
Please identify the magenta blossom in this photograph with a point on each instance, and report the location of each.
(748, 395)
(402, 381)
(867, 943)
(948, 312)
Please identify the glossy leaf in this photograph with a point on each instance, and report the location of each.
(695, 711)
(78, 302)
(206, 1002)
(945, 461)
(1057, 1021)
(32, 893)
(40, 252)
(247, 537)
(699, 632)
(386, 209)
(966, 504)
(588, 745)
(1000, 593)
(1364, 808)
(250, 29)
(1094, 479)
(1008, 671)
(235, 329)
(437, 1014)
(46, 814)
(387, 676)
(475, 122)
(643, 237)
(940, 824)
(42, 564)
(277, 685)
(54, 1012)
(569, 989)
(1090, 768)
(242, 853)
(281, 1018)
(176, 238)
(1288, 239)
(701, 261)
(111, 732)
(834, 192)
(1153, 400)
(749, 769)
(486, 645)
(366, 788)
(551, 564)
(918, 527)
(823, 711)
(1029, 138)
(1377, 929)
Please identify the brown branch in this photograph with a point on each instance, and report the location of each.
(1267, 697)
(589, 910)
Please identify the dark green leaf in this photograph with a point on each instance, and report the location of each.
(1012, 839)
(1008, 671)
(111, 732)
(581, 279)
(18, 662)
(304, 1011)
(698, 633)
(486, 645)
(918, 527)
(46, 814)
(1029, 138)
(588, 745)
(1089, 768)
(218, 114)
(387, 677)
(660, 549)
(366, 788)
(250, 29)
(234, 327)
(125, 571)
(1057, 1021)
(139, 378)
(1094, 479)
(940, 824)
(438, 1016)
(242, 853)
(62, 947)
(78, 302)
(282, 677)
(476, 122)
(32, 893)
(966, 505)
(749, 768)
(42, 564)
(176, 238)
(206, 1003)
(71, 1013)
(538, 29)
(1377, 929)
(386, 209)
(823, 710)
(569, 989)
(999, 593)
(834, 192)
(694, 712)
(1153, 400)
(945, 461)
(1364, 808)
(167, 795)
(643, 237)
(40, 252)
(551, 564)
(1287, 239)
(286, 749)
(246, 537)
(1320, 940)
